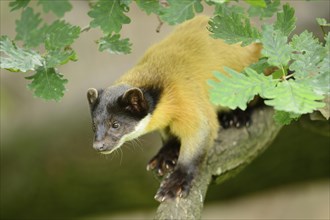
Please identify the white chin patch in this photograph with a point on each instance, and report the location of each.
(140, 129)
(108, 152)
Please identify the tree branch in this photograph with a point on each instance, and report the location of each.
(233, 150)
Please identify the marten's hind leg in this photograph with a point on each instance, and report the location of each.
(166, 159)
(234, 118)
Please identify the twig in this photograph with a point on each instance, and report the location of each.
(85, 29)
(160, 24)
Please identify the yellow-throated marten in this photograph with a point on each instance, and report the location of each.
(167, 91)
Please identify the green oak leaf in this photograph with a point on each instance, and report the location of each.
(324, 65)
(149, 6)
(277, 74)
(286, 21)
(17, 4)
(233, 28)
(257, 3)
(180, 11)
(320, 82)
(321, 21)
(266, 12)
(113, 44)
(227, 9)
(109, 15)
(237, 89)
(285, 118)
(58, 7)
(18, 59)
(305, 42)
(275, 46)
(308, 55)
(47, 83)
(55, 58)
(305, 65)
(260, 66)
(291, 96)
(27, 28)
(60, 34)
(311, 62)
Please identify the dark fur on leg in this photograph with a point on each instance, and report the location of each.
(236, 118)
(239, 118)
(165, 160)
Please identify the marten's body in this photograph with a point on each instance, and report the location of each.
(167, 91)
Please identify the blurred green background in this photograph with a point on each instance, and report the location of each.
(49, 169)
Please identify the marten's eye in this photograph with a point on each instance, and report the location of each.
(115, 125)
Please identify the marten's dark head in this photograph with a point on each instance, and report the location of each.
(119, 113)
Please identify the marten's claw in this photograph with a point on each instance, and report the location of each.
(177, 184)
(164, 162)
(161, 164)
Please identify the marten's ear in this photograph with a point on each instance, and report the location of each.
(134, 101)
(92, 96)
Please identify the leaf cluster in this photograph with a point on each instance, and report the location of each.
(110, 16)
(300, 82)
(45, 47)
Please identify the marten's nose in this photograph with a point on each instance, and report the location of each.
(99, 146)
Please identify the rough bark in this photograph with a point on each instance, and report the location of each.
(233, 150)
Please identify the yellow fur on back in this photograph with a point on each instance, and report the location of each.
(181, 64)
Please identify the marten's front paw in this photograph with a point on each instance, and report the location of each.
(164, 161)
(177, 184)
